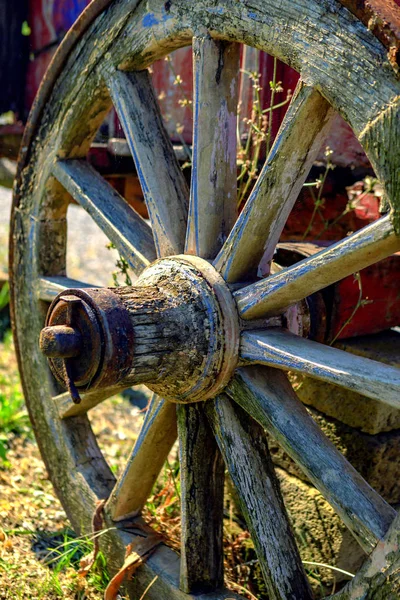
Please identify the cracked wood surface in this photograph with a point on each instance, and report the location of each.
(202, 502)
(333, 52)
(163, 185)
(124, 227)
(278, 348)
(379, 577)
(143, 466)
(268, 397)
(260, 224)
(213, 202)
(272, 295)
(245, 450)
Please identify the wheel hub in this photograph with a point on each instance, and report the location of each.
(176, 330)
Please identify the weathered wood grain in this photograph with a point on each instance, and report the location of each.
(148, 456)
(127, 230)
(261, 222)
(267, 395)
(67, 407)
(361, 249)
(381, 139)
(379, 577)
(334, 53)
(278, 348)
(163, 184)
(245, 450)
(213, 203)
(50, 287)
(202, 495)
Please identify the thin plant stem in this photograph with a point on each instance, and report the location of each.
(360, 302)
(148, 587)
(317, 564)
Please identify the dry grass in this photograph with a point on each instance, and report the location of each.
(39, 555)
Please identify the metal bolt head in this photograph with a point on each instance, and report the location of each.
(72, 333)
(60, 341)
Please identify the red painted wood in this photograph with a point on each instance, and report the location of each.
(50, 19)
(380, 296)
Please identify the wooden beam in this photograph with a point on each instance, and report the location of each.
(261, 222)
(245, 450)
(379, 577)
(148, 456)
(267, 395)
(202, 495)
(50, 287)
(213, 203)
(67, 407)
(163, 184)
(272, 295)
(278, 348)
(127, 230)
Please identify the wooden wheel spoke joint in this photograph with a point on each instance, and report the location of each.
(176, 331)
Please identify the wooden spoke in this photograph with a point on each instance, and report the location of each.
(267, 395)
(122, 225)
(68, 408)
(202, 490)
(260, 224)
(379, 577)
(148, 456)
(245, 449)
(163, 184)
(361, 249)
(50, 287)
(278, 348)
(213, 209)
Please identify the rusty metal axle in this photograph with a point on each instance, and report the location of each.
(60, 341)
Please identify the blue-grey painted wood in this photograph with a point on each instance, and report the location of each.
(261, 222)
(156, 438)
(50, 287)
(245, 450)
(272, 295)
(163, 184)
(213, 197)
(127, 230)
(266, 394)
(276, 347)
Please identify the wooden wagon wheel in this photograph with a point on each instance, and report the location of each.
(197, 324)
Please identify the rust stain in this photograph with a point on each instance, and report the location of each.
(382, 17)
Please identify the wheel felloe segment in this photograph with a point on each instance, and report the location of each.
(180, 320)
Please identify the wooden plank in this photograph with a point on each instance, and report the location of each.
(202, 497)
(67, 408)
(163, 184)
(261, 222)
(245, 450)
(127, 230)
(379, 577)
(266, 394)
(148, 456)
(213, 199)
(381, 139)
(276, 347)
(50, 287)
(361, 249)
(68, 123)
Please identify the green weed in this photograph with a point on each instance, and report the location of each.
(14, 418)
